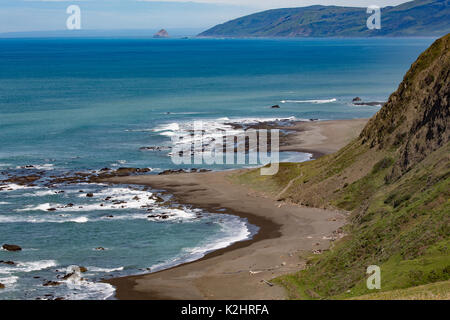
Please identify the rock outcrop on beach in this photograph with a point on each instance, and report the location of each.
(161, 34)
(67, 178)
(395, 181)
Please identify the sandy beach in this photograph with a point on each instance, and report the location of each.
(243, 270)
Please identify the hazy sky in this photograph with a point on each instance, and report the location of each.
(49, 15)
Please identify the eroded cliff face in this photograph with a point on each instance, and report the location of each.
(415, 120)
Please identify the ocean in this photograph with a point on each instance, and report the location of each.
(78, 105)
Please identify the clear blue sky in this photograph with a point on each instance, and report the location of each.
(49, 15)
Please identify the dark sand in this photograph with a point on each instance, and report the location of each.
(287, 231)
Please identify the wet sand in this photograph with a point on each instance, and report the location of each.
(243, 270)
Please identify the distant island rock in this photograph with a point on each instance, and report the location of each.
(161, 34)
(414, 18)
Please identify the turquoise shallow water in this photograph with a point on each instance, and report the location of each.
(84, 104)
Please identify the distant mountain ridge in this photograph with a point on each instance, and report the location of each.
(415, 18)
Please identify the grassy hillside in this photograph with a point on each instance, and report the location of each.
(415, 18)
(395, 180)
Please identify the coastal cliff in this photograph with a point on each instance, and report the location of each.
(395, 180)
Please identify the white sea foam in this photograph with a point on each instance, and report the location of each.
(42, 219)
(106, 270)
(41, 193)
(214, 129)
(13, 187)
(318, 101)
(168, 127)
(80, 288)
(4, 202)
(39, 207)
(87, 290)
(9, 282)
(169, 214)
(211, 125)
(133, 199)
(27, 266)
(79, 220)
(46, 166)
(119, 198)
(233, 230)
(295, 157)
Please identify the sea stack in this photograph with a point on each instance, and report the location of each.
(161, 34)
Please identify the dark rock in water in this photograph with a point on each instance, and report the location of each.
(356, 99)
(67, 276)
(100, 249)
(51, 209)
(8, 262)
(2, 286)
(372, 103)
(275, 106)
(161, 34)
(51, 284)
(69, 205)
(83, 269)
(313, 119)
(90, 195)
(11, 247)
(105, 169)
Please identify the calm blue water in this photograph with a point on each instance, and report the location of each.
(84, 104)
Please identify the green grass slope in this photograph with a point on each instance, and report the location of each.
(415, 18)
(395, 181)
